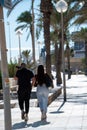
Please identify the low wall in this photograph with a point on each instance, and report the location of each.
(54, 95)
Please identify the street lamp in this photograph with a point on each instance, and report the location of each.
(4, 72)
(8, 23)
(61, 7)
(19, 33)
(39, 49)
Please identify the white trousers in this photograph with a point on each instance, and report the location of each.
(42, 96)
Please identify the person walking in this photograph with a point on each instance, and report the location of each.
(42, 83)
(24, 79)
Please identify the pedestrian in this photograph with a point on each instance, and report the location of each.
(41, 82)
(24, 78)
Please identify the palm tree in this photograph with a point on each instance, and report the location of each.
(56, 27)
(26, 57)
(68, 53)
(25, 20)
(80, 20)
(68, 60)
(73, 7)
(81, 14)
(57, 56)
(46, 9)
(30, 23)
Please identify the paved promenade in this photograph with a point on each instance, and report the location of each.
(71, 115)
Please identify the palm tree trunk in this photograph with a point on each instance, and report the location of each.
(58, 65)
(68, 61)
(46, 8)
(86, 57)
(46, 20)
(33, 37)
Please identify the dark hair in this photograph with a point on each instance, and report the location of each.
(23, 65)
(40, 75)
(40, 70)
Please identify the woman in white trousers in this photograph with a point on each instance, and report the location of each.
(42, 96)
(42, 90)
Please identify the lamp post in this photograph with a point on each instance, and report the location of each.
(19, 33)
(5, 75)
(39, 50)
(8, 23)
(61, 7)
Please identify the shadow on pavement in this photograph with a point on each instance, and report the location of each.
(39, 123)
(58, 111)
(20, 125)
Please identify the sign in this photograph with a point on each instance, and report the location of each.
(6, 3)
(1, 2)
(7, 82)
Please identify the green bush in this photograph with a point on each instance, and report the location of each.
(12, 69)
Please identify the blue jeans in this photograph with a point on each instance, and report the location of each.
(42, 96)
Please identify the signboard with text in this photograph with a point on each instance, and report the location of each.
(6, 3)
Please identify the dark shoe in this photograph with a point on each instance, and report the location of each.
(26, 117)
(22, 115)
(43, 116)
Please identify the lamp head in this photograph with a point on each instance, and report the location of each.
(19, 32)
(61, 6)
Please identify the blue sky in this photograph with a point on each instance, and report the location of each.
(21, 7)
